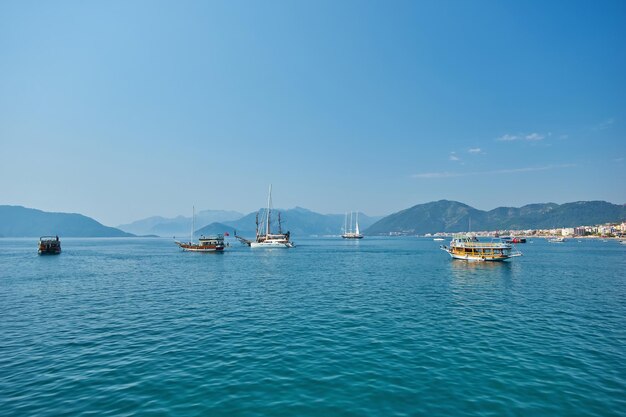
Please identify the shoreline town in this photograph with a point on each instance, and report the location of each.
(603, 231)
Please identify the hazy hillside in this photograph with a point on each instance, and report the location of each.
(452, 216)
(18, 221)
(180, 225)
(302, 222)
(215, 229)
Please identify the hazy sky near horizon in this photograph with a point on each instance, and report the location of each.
(120, 110)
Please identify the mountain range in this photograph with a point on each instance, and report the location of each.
(18, 221)
(176, 226)
(299, 221)
(452, 216)
(437, 216)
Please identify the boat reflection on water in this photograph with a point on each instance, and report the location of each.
(483, 274)
(481, 266)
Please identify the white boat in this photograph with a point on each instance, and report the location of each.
(557, 240)
(264, 236)
(467, 247)
(438, 239)
(348, 232)
(205, 243)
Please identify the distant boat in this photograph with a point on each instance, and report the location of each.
(513, 239)
(348, 232)
(467, 247)
(49, 245)
(438, 239)
(557, 240)
(264, 236)
(205, 243)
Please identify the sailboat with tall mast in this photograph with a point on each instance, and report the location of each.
(205, 243)
(264, 236)
(348, 232)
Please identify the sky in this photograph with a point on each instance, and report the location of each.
(121, 110)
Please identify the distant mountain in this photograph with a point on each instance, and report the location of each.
(214, 229)
(180, 225)
(452, 216)
(18, 221)
(299, 221)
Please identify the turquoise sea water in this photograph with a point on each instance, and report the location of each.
(378, 327)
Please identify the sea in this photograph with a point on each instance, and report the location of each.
(385, 326)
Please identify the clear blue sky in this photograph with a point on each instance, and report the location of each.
(124, 109)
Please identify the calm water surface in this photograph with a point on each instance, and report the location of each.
(378, 327)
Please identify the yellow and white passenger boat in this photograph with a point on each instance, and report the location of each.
(469, 248)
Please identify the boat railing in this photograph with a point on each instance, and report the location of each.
(499, 245)
(212, 237)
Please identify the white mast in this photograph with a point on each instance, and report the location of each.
(357, 223)
(193, 223)
(350, 222)
(269, 202)
(345, 224)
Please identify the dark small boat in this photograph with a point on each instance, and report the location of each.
(49, 245)
(513, 239)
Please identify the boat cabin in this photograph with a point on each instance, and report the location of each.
(217, 240)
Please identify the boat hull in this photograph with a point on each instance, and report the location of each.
(197, 248)
(270, 245)
(472, 258)
(203, 249)
(352, 236)
(49, 251)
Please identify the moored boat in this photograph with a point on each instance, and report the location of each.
(556, 240)
(49, 245)
(468, 247)
(348, 232)
(264, 236)
(205, 243)
(513, 239)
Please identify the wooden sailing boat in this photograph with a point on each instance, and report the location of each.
(205, 243)
(348, 232)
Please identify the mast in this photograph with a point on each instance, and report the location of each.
(280, 226)
(345, 224)
(357, 223)
(350, 222)
(269, 202)
(193, 222)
